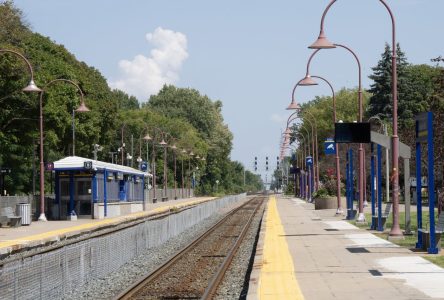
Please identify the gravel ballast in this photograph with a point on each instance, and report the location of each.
(234, 285)
(114, 283)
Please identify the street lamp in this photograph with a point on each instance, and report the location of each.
(338, 170)
(309, 81)
(82, 108)
(31, 87)
(183, 153)
(323, 43)
(164, 145)
(314, 134)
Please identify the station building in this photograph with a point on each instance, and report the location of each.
(97, 189)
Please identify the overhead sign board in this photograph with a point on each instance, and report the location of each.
(352, 132)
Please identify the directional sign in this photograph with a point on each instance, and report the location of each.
(329, 146)
(87, 165)
(144, 166)
(309, 160)
(49, 166)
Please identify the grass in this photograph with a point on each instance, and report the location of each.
(409, 241)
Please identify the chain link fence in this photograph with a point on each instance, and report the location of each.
(51, 275)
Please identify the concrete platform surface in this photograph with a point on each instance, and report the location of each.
(41, 233)
(332, 259)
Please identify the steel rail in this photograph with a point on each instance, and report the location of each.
(211, 290)
(145, 280)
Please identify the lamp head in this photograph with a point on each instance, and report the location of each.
(198, 157)
(31, 87)
(82, 108)
(308, 80)
(322, 43)
(147, 137)
(293, 106)
(163, 143)
(174, 147)
(183, 151)
(191, 153)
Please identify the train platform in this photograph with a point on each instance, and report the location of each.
(304, 253)
(41, 233)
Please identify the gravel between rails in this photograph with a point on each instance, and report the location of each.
(235, 283)
(111, 285)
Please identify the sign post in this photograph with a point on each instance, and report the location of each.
(424, 134)
(309, 162)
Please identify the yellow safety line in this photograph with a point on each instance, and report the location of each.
(277, 277)
(102, 223)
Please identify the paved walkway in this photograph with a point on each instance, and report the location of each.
(333, 259)
(40, 233)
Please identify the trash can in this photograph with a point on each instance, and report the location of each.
(24, 210)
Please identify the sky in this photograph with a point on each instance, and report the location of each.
(249, 54)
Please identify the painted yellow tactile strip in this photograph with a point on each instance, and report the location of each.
(277, 278)
(55, 234)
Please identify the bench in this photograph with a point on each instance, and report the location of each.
(8, 217)
(385, 214)
(439, 229)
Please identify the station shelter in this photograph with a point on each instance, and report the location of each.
(97, 189)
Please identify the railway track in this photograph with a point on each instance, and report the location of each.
(197, 271)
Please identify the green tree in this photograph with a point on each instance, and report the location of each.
(380, 103)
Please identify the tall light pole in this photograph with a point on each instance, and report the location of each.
(82, 108)
(294, 106)
(164, 145)
(314, 132)
(147, 138)
(314, 144)
(32, 88)
(183, 187)
(309, 81)
(323, 43)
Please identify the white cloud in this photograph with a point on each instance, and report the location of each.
(144, 76)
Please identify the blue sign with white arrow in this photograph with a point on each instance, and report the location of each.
(329, 147)
(309, 160)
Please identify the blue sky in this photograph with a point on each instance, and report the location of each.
(248, 54)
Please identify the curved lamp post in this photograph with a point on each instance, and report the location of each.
(31, 87)
(323, 43)
(81, 108)
(309, 81)
(294, 106)
(314, 134)
(147, 138)
(174, 147)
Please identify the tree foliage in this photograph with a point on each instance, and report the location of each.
(193, 120)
